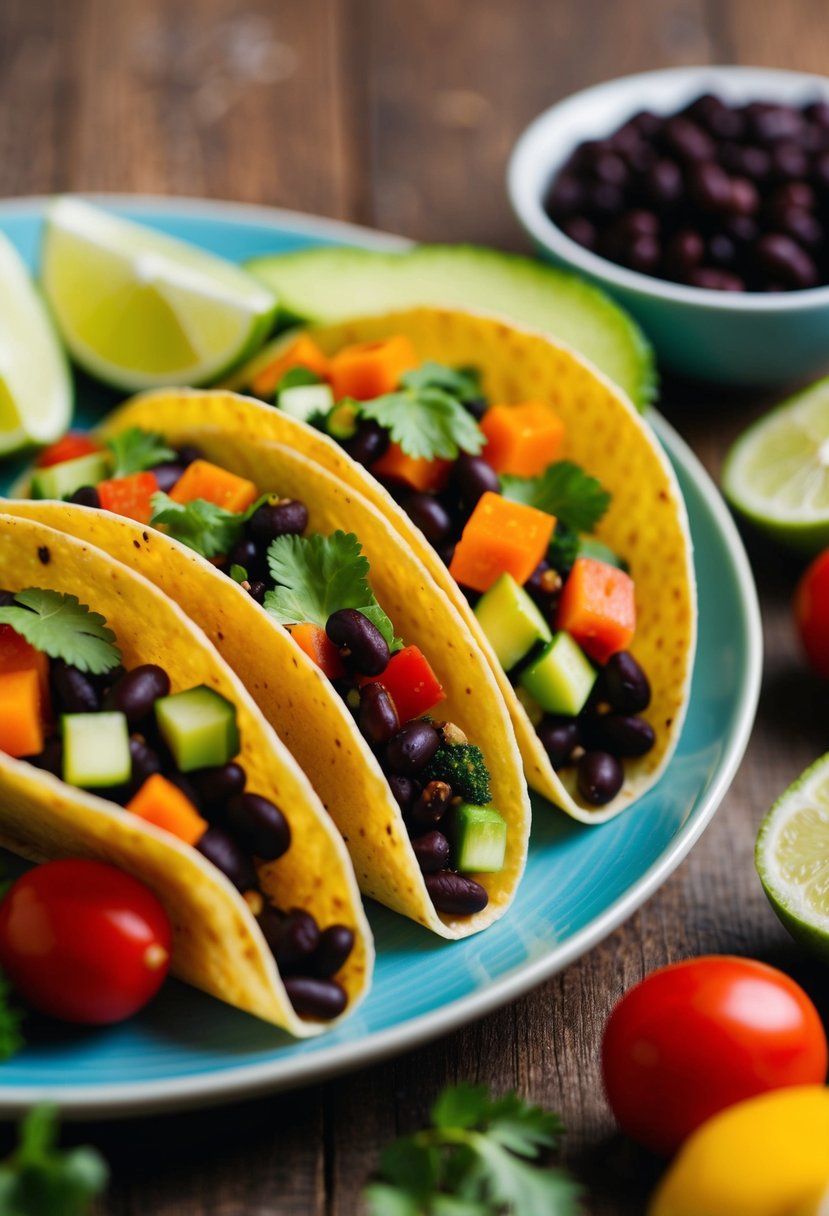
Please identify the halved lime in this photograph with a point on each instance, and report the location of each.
(777, 473)
(792, 857)
(35, 385)
(139, 309)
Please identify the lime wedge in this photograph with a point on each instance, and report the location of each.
(792, 857)
(35, 386)
(777, 473)
(139, 309)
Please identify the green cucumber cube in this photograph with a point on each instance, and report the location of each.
(96, 750)
(61, 480)
(479, 838)
(561, 678)
(306, 400)
(199, 727)
(511, 621)
(343, 421)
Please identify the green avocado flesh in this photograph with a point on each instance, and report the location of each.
(328, 285)
(199, 727)
(479, 838)
(61, 480)
(511, 621)
(562, 677)
(96, 750)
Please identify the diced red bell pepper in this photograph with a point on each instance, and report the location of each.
(129, 496)
(72, 446)
(21, 713)
(597, 608)
(319, 647)
(411, 683)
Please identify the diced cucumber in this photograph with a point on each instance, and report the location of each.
(341, 423)
(561, 678)
(478, 836)
(511, 621)
(199, 727)
(61, 480)
(597, 549)
(96, 749)
(306, 400)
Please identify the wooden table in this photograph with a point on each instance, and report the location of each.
(400, 114)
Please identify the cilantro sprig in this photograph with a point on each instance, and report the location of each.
(480, 1158)
(425, 415)
(317, 575)
(564, 489)
(39, 1179)
(60, 626)
(135, 450)
(202, 526)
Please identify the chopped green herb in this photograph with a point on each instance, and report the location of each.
(60, 626)
(564, 548)
(39, 1179)
(238, 573)
(462, 766)
(427, 423)
(200, 525)
(461, 382)
(564, 490)
(135, 450)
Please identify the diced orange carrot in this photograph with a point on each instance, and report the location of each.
(21, 713)
(597, 608)
(501, 537)
(522, 439)
(16, 654)
(201, 479)
(301, 352)
(415, 471)
(71, 446)
(319, 647)
(411, 683)
(162, 803)
(129, 496)
(371, 369)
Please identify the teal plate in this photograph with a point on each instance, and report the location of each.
(580, 883)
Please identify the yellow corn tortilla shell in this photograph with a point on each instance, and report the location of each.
(217, 943)
(307, 713)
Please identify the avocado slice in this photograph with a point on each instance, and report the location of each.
(199, 727)
(327, 285)
(562, 678)
(479, 838)
(96, 750)
(511, 621)
(61, 480)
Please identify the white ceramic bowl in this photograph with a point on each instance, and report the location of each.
(733, 338)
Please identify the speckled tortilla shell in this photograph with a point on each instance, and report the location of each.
(218, 946)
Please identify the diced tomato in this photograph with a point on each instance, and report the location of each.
(415, 471)
(129, 496)
(21, 713)
(522, 439)
(162, 803)
(411, 683)
(597, 608)
(500, 537)
(73, 445)
(370, 369)
(319, 647)
(301, 352)
(210, 482)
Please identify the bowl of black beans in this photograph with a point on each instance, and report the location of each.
(699, 199)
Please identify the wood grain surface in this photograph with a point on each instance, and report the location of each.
(401, 114)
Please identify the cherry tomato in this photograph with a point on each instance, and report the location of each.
(84, 942)
(695, 1037)
(811, 612)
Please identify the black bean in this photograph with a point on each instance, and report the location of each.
(710, 186)
(259, 826)
(226, 855)
(622, 735)
(167, 475)
(566, 196)
(188, 452)
(638, 222)
(643, 254)
(313, 998)
(802, 226)
(580, 230)
(85, 496)
(722, 250)
(247, 554)
(145, 760)
(625, 684)
(377, 718)
(604, 200)
(292, 938)
(286, 518)
(430, 515)
(137, 691)
(663, 183)
(361, 644)
(818, 112)
(647, 123)
(455, 894)
(474, 477)
(792, 194)
(219, 783)
(432, 852)
(51, 758)
(610, 168)
(336, 944)
(74, 691)
(431, 805)
(688, 140)
(543, 586)
(369, 444)
(403, 790)
(558, 738)
(600, 777)
(411, 749)
(710, 278)
(743, 198)
(784, 259)
(777, 122)
(477, 406)
(684, 252)
(257, 591)
(183, 783)
(788, 161)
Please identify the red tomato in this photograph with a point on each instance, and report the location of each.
(84, 942)
(70, 447)
(811, 612)
(698, 1036)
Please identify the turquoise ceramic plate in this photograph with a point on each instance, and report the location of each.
(580, 883)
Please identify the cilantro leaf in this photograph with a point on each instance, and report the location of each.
(39, 1179)
(135, 450)
(11, 1018)
(461, 382)
(427, 423)
(200, 525)
(564, 548)
(563, 490)
(317, 575)
(60, 626)
(238, 573)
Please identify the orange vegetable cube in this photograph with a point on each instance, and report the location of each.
(301, 352)
(319, 647)
(597, 608)
(21, 713)
(501, 537)
(207, 481)
(16, 654)
(522, 439)
(417, 472)
(130, 496)
(371, 369)
(162, 803)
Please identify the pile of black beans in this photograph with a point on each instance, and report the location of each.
(404, 751)
(242, 825)
(733, 198)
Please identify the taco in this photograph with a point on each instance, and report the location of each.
(366, 672)
(125, 738)
(567, 550)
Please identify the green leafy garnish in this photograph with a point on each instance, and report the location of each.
(564, 490)
(478, 1159)
(297, 377)
(60, 626)
(564, 548)
(200, 525)
(39, 1179)
(238, 573)
(135, 450)
(11, 1019)
(425, 415)
(317, 575)
(461, 382)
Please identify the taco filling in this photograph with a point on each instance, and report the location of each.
(316, 586)
(68, 706)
